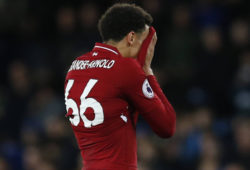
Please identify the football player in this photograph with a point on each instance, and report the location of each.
(107, 87)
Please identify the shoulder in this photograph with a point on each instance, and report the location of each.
(130, 65)
(131, 71)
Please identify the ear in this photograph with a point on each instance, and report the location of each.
(131, 38)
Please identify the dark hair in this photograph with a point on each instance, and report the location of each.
(120, 19)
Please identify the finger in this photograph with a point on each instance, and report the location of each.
(154, 39)
(145, 45)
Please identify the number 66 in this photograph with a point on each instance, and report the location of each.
(85, 103)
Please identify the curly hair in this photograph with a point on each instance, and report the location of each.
(120, 19)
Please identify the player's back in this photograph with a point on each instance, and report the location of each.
(99, 111)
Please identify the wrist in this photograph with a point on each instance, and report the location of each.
(148, 71)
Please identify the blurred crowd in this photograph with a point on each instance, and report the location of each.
(202, 62)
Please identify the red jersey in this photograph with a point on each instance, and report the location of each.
(102, 90)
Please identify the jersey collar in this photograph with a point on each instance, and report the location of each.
(105, 47)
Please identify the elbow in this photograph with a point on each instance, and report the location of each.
(171, 132)
(168, 133)
(165, 125)
(168, 130)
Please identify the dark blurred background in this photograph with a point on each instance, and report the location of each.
(202, 62)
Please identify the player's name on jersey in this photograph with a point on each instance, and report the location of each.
(87, 64)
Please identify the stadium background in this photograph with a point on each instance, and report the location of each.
(202, 62)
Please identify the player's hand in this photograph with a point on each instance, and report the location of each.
(146, 52)
(149, 56)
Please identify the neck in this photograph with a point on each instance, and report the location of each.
(121, 47)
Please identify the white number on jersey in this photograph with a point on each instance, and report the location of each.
(85, 103)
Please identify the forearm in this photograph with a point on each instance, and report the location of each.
(168, 116)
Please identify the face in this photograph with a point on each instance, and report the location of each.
(135, 41)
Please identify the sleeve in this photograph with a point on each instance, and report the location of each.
(149, 100)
